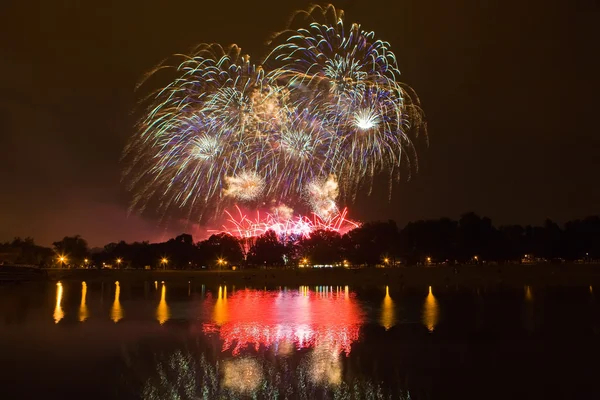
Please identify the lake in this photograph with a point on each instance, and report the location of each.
(162, 340)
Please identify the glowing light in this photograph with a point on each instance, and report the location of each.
(58, 311)
(205, 147)
(388, 318)
(162, 311)
(366, 119)
(119, 261)
(164, 260)
(430, 311)
(245, 186)
(242, 375)
(116, 312)
(322, 195)
(83, 310)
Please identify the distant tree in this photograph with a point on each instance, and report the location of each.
(220, 246)
(476, 237)
(25, 251)
(432, 238)
(74, 248)
(267, 250)
(372, 242)
(323, 247)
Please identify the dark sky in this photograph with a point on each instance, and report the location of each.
(510, 89)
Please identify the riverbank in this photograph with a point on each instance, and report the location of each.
(511, 275)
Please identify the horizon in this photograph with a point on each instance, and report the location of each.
(207, 233)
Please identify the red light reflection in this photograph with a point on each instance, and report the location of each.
(327, 316)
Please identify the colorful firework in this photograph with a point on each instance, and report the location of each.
(287, 227)
(326, 106)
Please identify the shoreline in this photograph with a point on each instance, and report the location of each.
(465, 275)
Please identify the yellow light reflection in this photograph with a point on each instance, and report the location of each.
(528, 294)
(58, 311)
(242, 375)
(528, 310)
(83, 310)
(388, 318)
(304, 290)
(220, 314)
(116, 313)
(430, 311)
(162, 312)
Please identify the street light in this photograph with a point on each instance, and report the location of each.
(386, 260)
(119, 261)
(62, 260)
(164, 261)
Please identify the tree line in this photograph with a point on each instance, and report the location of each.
(471, 239)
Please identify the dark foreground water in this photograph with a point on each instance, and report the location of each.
(154, 340)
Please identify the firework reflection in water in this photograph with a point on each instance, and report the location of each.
(186, 376)
(325, 319)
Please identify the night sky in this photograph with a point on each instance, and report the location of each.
(509, 87)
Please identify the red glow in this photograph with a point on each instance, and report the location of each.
(299, 226)
(327, 317)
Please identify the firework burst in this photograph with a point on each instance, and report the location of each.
(325, 106)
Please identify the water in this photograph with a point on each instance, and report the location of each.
(156, 340)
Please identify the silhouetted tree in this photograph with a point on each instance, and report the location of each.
(323, 247)
(74, 248)
(372, 242)
(267, 250)
(220, 246)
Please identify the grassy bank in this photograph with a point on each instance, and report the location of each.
(513, 275)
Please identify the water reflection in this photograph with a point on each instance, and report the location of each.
(528, 310)
(430, 311)
(318, 375)
(242, 375)
(58, 311)
(255, 318)
(220, 311)
(162, 311)
(388, 318)
(528, 294)
(325, 366)
(83, 311)
(116, 313)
